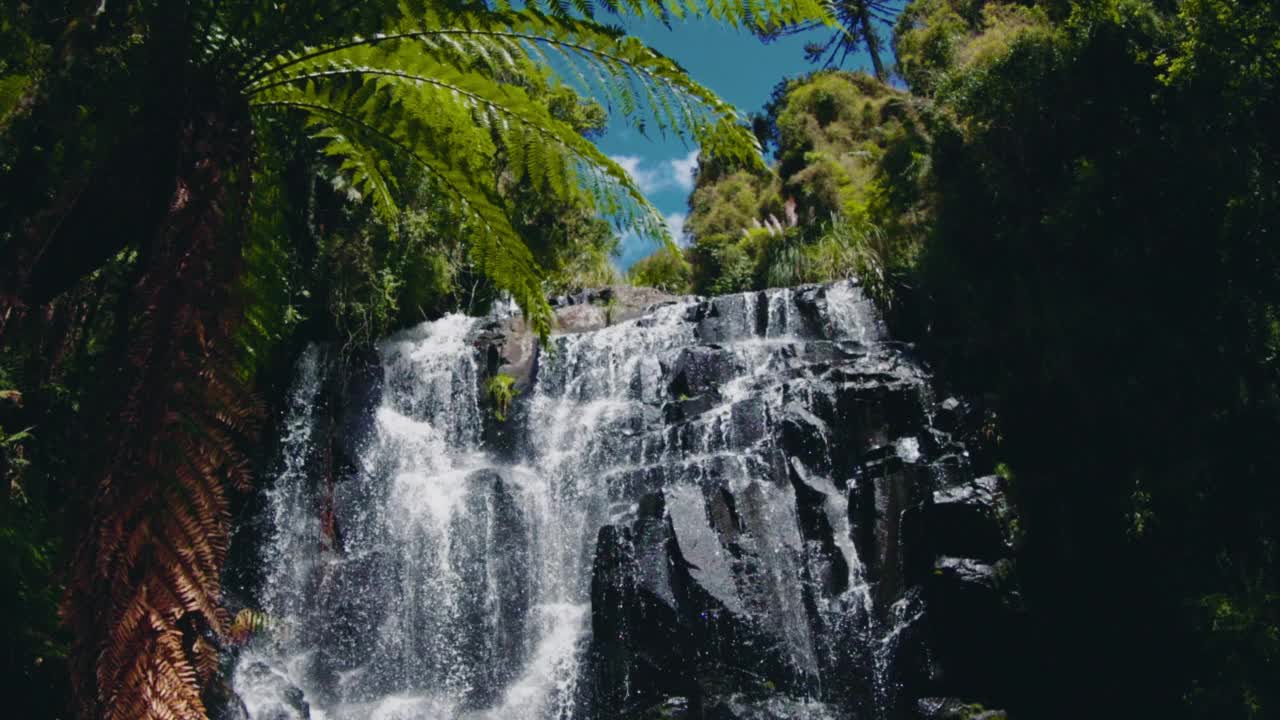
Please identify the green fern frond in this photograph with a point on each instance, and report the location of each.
(370, 172)
(453, 91)
(750, 14)
(499, 251)
(598, 59)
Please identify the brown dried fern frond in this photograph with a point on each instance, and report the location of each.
(145, 600)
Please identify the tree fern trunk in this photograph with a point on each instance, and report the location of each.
(145, 598)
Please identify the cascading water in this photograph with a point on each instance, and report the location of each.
(675, 525)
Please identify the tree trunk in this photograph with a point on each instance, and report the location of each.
(871, 39)
(145, 597)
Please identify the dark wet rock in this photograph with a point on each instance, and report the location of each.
(702, 556)
(360, 397)
(640, 648)
(687, 408)
(749, 422)
(230, 709)
(727, 318)
(613, 612)
(821, 527)
(811, 302)
(905, 655)
(770, 707)
(967, 575)
(805, 437)
(888, 486)
(674, 708)
(499, 554)
(952, 415)
(964, 520)
(347, 612)
(223, 702)
(975, 626)
(702, 369)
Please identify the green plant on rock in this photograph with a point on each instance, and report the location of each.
(502, 392)
(610, 310)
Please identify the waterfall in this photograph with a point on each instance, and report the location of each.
(691, 479)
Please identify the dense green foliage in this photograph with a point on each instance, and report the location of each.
(666, 270)
(845, 196)
(189, 189)
(1101, 260)
(1071, 209)
(1073, 212)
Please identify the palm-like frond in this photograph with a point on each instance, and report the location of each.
(755, 15)
(446, 91)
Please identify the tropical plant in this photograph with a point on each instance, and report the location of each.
(857, 21)
(849, 249)
(502, 392)
(134, 149)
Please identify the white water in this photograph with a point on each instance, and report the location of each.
(460, 587)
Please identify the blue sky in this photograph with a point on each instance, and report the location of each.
(735, 65)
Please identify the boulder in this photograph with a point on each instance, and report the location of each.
(702, 369)
(975, 626)
(493, 567)
(964, 520)
(347, 613)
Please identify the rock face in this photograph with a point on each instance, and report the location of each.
(743, 507)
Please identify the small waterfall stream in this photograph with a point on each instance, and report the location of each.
(704, 476)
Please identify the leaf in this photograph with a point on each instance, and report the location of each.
(17, 437)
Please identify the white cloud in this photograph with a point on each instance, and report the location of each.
(648, 180)
(675, 225)
(682, 170)
(665, 175)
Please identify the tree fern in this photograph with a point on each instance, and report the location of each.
(441, 87)
(445, 88)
